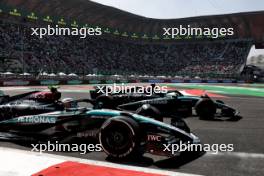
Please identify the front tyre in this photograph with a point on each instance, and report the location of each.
(119, 137)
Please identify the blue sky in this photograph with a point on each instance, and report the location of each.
(184, 8)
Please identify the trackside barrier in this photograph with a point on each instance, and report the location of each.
(227, 81)
(49, 82)
(156, 81)
(94, 81)
(16, 83)
(177, 81)
(74, 82)
(212, 81)
(195, 81)
(21, 82)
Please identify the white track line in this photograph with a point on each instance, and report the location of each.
(247, 155)
(238, 154)
(16, 162)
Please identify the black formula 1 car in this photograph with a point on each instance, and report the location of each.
(119, 134)
(170, 104)
(30, 103)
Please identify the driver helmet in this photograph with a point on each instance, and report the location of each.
(69, 103)
(54, 90)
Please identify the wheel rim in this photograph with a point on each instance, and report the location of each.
(117, 139)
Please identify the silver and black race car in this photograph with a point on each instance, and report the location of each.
(30, 103)
(120, 134)
(170, 104)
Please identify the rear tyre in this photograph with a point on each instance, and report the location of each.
(205, 109)
(119, 138)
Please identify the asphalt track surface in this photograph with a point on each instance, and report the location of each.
(246, 134)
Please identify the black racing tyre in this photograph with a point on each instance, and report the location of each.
(205, 109)
(150, 111)
(104, 101)
(119, 137)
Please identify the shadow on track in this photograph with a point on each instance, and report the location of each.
(142, 161)
(225, 119)
(182, 159)
(169, 163)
